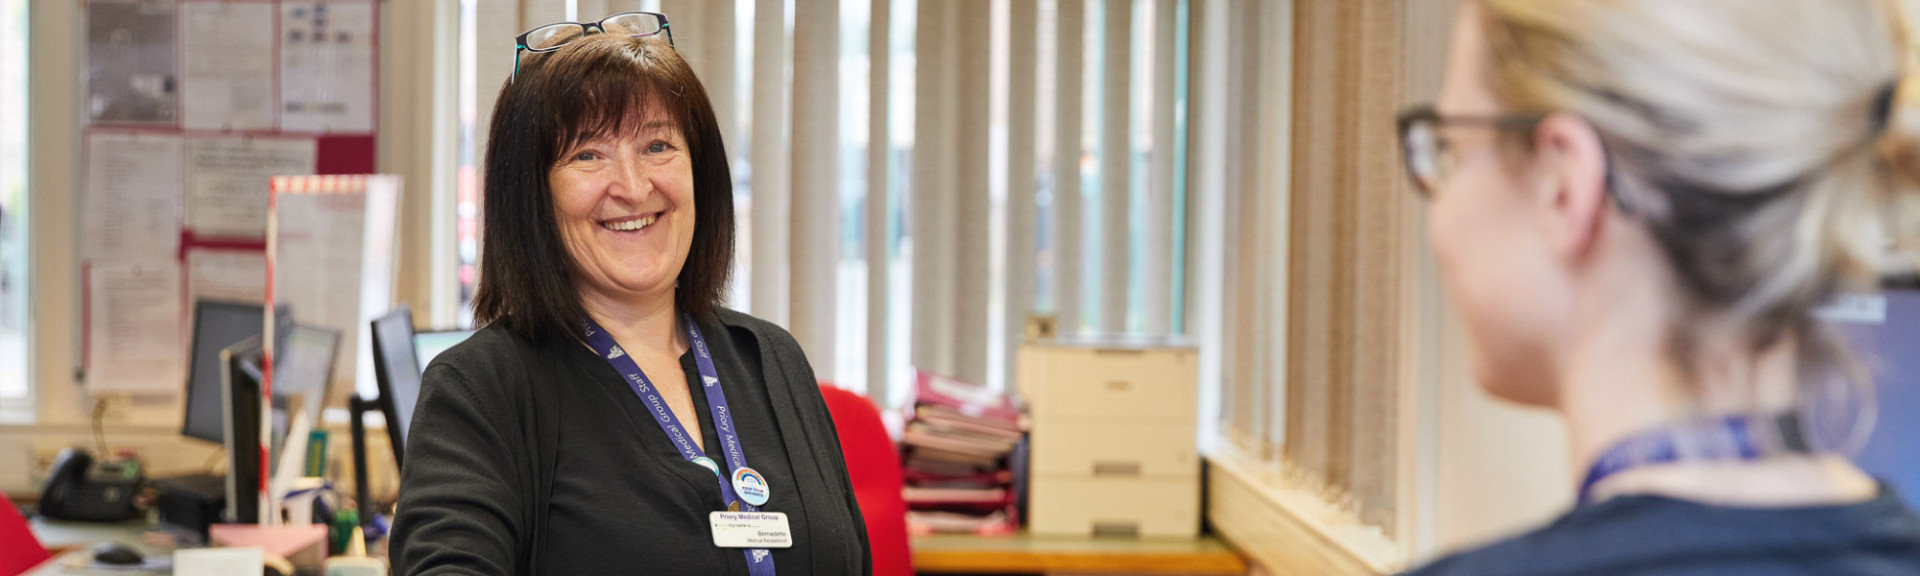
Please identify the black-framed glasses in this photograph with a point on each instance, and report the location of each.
(552, 36)
(1430, 161)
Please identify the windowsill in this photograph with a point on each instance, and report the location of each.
(1261, 515)
(16, 416)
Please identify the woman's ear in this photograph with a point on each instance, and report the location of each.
(1572, 169)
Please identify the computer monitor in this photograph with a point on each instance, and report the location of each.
(397, 372)
(1889, 340)
(429, 345)
(304, 367)
(240, 377)
(217, 325)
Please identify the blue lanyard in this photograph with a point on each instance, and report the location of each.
(1726, 438)
(759, 561)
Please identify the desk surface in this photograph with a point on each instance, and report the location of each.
(80, 537)
(937, 554)
(59, 534)
(1027, 554)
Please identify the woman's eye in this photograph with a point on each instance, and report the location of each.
(586, 156)
(657, 147)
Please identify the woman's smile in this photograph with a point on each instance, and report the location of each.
(635, 225)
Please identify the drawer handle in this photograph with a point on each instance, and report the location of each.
(1119, 385)
(1116, 468)
(1116, 529)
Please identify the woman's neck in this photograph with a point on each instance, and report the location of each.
(1621, 380)
(641, 323)
(1617, 380)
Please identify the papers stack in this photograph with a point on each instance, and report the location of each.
(956, 450)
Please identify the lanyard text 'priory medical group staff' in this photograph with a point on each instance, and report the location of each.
(748, 489)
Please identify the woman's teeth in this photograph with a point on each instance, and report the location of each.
(629, 225)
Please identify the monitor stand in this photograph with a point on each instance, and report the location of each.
(357, 409)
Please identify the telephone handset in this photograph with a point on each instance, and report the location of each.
(78, 488)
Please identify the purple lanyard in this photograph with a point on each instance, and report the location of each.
(759, 561)
(1728, 438)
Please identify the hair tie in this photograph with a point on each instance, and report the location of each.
(1882, 111)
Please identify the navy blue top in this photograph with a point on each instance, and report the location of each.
(1660, 536)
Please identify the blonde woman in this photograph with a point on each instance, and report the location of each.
(1637, 205)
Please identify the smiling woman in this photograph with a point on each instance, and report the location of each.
(565, 437)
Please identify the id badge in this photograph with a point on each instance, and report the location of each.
(751, 530)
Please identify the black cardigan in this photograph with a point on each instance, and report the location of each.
(500, 417)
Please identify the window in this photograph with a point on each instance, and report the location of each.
(14, 353)
(469, 149)
(955, 276)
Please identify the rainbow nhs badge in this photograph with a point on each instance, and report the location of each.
(750, 486)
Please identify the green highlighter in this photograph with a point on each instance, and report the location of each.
(356, 562)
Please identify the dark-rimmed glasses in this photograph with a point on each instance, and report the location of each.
(1430, 161)
(552, 36)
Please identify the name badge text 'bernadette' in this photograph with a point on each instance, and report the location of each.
(750, 530)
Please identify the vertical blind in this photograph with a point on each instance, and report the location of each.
(1348, 204)
(1312, 300)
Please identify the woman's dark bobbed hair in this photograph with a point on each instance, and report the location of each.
(599, 85)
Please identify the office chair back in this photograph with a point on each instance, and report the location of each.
(874, 466)
(20, 551)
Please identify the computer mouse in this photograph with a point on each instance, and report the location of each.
(116, 554)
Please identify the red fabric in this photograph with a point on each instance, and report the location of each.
(19, 550)
(874, 466)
